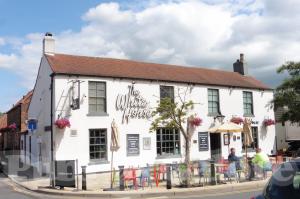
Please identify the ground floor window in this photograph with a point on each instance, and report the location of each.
(255, 139)
(167, 142)
(98, 144)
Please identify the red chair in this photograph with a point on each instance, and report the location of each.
(130, 175)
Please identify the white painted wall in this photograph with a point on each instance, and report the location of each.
(39, 109)
(231, 103)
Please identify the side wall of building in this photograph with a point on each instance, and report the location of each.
(38, 142)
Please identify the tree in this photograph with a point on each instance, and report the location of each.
(177, 114)
(287, 94)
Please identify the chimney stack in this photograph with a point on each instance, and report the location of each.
(48, 44)
(240, 66)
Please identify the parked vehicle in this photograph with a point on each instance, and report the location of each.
(284, 183)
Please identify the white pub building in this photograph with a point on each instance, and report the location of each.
(91, 92)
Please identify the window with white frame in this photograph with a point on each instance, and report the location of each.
(248, 103)
(167, 92)
(213, 102)
(97, 97)
(254, 145)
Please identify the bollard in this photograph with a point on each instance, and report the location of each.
(169, 182)
(213, 173)
(83, 177)
(121, 176)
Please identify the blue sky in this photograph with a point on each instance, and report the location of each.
(188, 32)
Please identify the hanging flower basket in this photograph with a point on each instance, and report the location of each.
(62, 123)
(268, 122)
(12, 126)
(237, 120)
(196, 121)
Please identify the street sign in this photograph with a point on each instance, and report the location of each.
(32, 125)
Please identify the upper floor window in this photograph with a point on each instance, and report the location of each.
(167, 92)
(248, 103)
(97, 97)
(213, 101)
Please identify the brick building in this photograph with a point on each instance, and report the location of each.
(13, 124)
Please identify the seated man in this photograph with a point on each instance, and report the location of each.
(233, 158)
(260, 160)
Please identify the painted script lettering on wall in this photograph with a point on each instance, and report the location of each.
(133, 105)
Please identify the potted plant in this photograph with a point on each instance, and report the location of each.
(62, 123)
(237, 120)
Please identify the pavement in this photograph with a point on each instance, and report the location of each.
(96, 184)
(10, 190)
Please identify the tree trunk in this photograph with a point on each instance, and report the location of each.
(187, 161)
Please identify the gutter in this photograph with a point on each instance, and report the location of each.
(52, 175)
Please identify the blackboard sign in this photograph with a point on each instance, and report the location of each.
(133, 144)
(65, 173)
(203, 141)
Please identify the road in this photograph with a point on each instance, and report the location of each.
(9, 191)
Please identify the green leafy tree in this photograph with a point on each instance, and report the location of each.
(287, 95)
(177, 115)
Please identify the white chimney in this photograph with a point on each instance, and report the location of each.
(48, 44)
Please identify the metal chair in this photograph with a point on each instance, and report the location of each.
(145, 176)
(204, 171)
(231, 172)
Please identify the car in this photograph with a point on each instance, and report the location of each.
(284, 183)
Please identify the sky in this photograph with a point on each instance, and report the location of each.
(202, 33)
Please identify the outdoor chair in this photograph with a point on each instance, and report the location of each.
(231, 172)
(242, 168)
(145, 176)
(267, 167)
(130, 175)
(183, 174)
(204, 171)
(221, 170)
(175, 168)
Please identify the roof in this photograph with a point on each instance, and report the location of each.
(3, 121)
(118, 68)
(25, 100)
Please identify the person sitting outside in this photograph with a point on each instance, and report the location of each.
(260, 160)
(233, 158)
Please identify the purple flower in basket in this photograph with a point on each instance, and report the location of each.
(12, 126)
(62, 123)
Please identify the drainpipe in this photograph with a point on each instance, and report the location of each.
(52, 175)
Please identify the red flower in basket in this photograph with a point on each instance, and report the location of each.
(13, 126)
(237, 120)
(62, 123)
(196, 121)
(268, 122)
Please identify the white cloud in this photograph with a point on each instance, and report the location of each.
(200, 33)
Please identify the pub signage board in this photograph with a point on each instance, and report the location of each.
(133, 144)
(203, 141)
(65, 173)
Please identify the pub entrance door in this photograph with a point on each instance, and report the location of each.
(215, 146)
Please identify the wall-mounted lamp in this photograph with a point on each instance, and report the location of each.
(220, 118)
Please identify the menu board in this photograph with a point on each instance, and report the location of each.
(133, 144)
(203, 141)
